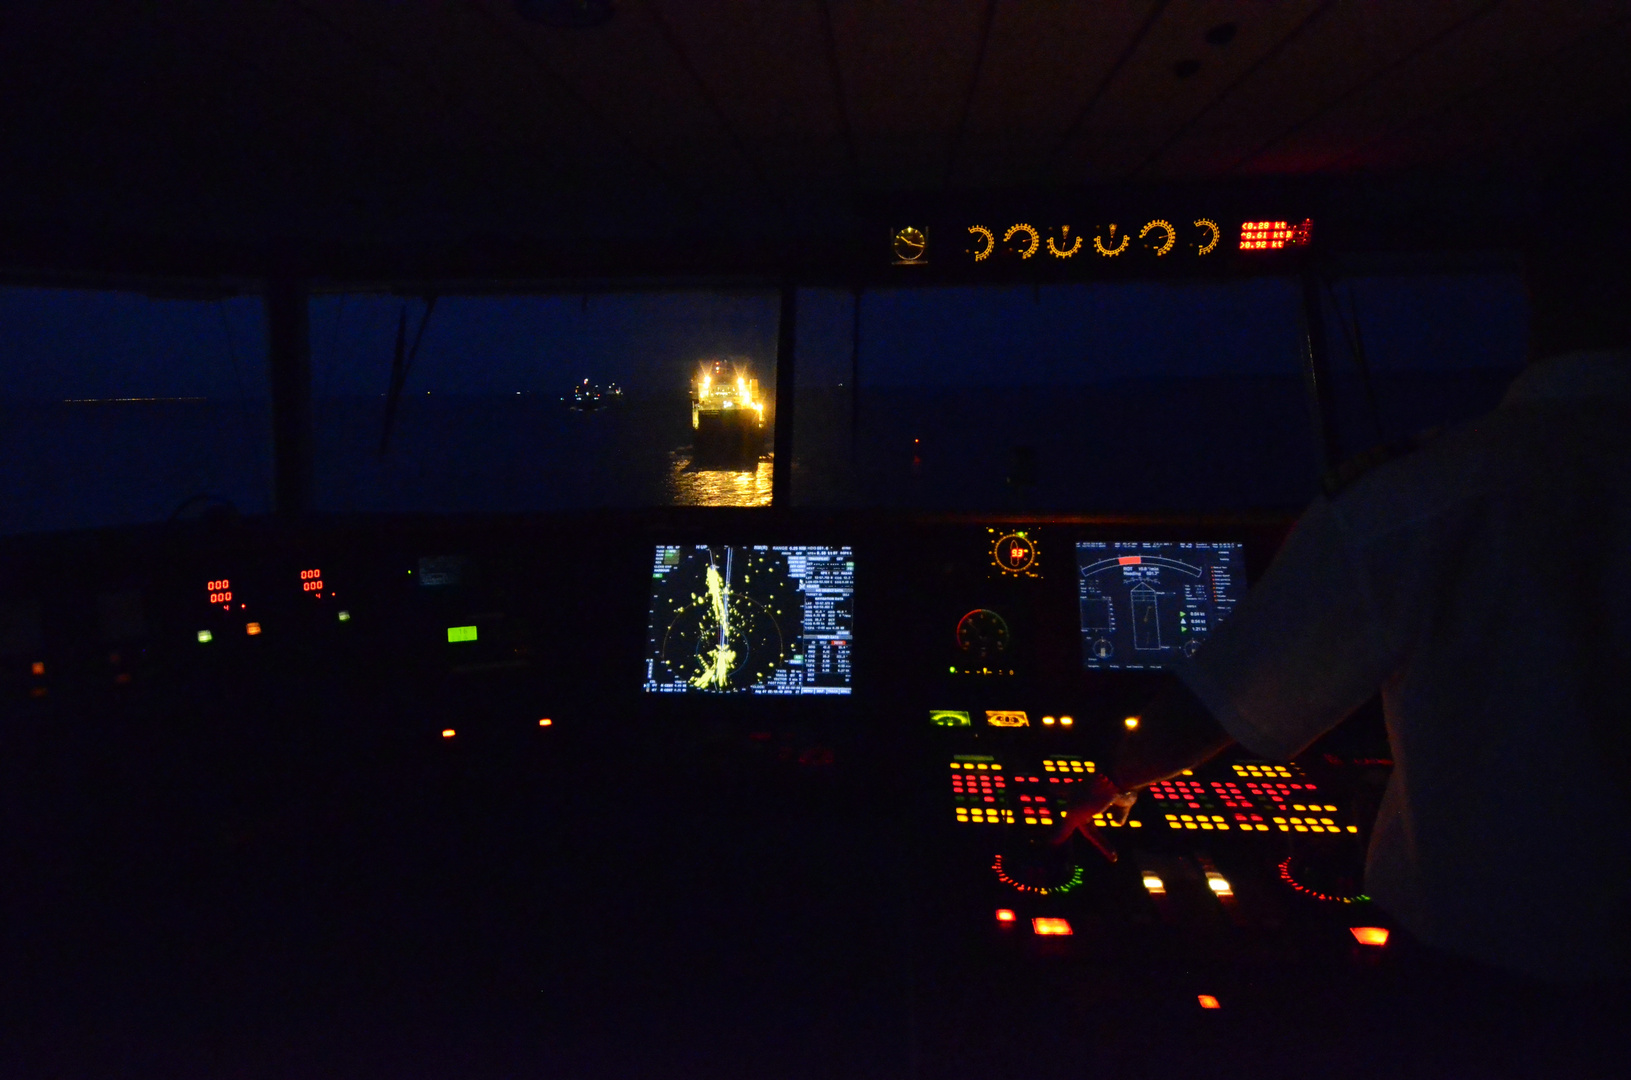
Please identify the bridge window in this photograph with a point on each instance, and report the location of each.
(118, 408)
(527, 402)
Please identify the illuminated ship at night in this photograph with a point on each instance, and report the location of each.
(727, 415)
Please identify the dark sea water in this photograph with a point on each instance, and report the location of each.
(1185, 445)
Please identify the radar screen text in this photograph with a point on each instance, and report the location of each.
(753, 620)
(1145, 604)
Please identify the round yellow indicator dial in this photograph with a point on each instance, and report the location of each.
(1014, 553)
(1064, 235)
(910, 243)
(1033, 244)
(982, 251)
(1166, 226)
(1112, 247)
(1212, 228)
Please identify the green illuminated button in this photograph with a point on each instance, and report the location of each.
(204, 636)
(461, 633)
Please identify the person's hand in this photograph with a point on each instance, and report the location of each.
(1100, 797)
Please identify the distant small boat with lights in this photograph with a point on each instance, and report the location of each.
(587, 397)
(727, 415)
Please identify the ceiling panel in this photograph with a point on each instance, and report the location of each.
(907, 68)
(765, 65)
(1508, 38)
(1537, 111)
(1044, 64)
(1338, 54)
(1148, 103)
(638, 84)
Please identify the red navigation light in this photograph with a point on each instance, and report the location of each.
(1208, 1001)
(1005, 916)
(1369, 935)
(1052, 927)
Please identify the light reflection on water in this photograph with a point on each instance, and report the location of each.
(690, 486)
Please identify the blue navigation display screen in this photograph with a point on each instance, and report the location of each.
(755, 620)
(1144, 604)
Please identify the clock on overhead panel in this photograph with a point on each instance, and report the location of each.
(911, 246)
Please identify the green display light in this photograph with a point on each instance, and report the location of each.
(205, 637)
(949, 718)
(460, 633)
(345, 616)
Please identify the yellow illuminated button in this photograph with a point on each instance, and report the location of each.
(1218, 883)
(1369, 935)
(1154, 884)
(1052, 927)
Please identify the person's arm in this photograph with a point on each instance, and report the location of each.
(1175, 732)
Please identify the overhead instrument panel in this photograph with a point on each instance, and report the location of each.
(759, 619)
(1143, 604)
(1093, 241)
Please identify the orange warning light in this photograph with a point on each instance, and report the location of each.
(1052, 927)
(1369, 935)
(447, 733)
(1132, 723)
(1208, 1001)
(37, 667)
(545, 722)
(1065, 721)
(253, 628)
(1048, 720)
(1005, 916)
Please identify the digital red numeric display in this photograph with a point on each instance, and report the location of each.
(1274, 235)
(311, 581)
(220, 591)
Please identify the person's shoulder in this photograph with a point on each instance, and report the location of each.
(1412, 479)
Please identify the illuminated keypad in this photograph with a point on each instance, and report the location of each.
(979, 791)
(1207, 822)
(1066, 765)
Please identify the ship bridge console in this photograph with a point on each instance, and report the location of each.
(583, 539)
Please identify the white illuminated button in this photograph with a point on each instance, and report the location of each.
(1154, 884)
(1218, 883)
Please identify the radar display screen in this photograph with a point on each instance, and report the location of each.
(1145, 604)
(757, 620)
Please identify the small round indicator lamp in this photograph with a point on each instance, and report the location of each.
(1065, 721)
(1132, 723)
(1048, 720)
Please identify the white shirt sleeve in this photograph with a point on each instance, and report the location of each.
(1302, 650)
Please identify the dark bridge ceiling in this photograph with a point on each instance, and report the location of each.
(716, 125)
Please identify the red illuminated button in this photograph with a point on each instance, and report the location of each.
(1369, 935)
(1052, 927)
(1208, 1001)
(1005, 916)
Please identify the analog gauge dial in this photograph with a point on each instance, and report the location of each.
(981, 242)
(1158, 236)
(1210, 234)
(982, 634)
(1022, 240)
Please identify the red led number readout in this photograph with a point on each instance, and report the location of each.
(1274, 235)
(311, 580)
(220, 591)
